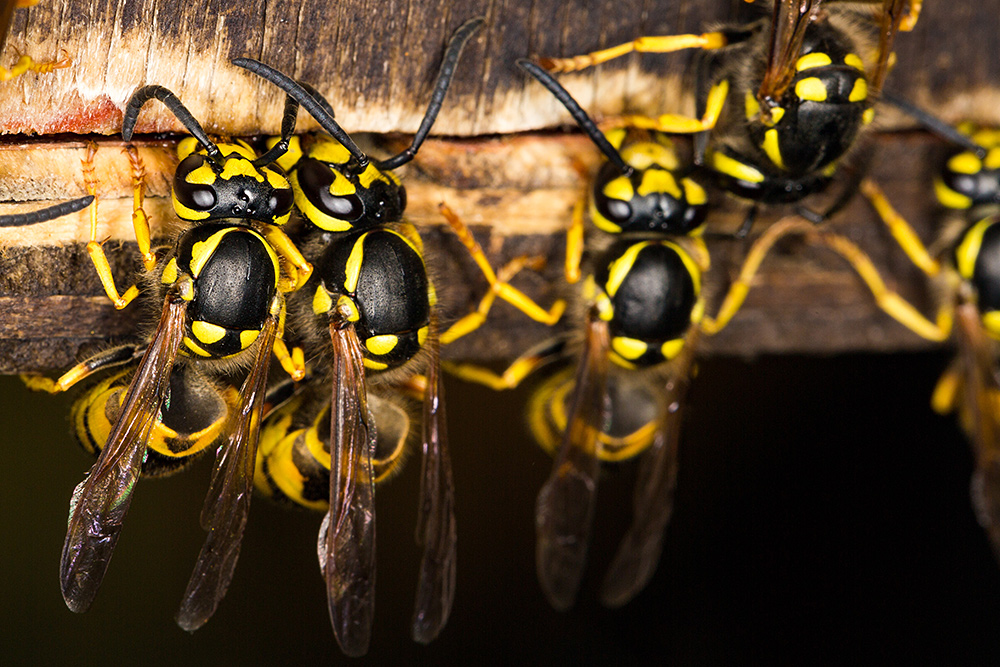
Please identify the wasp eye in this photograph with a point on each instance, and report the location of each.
(200, 196)
(280, 202)
(315, 178)
(402, 198)
(615, 210)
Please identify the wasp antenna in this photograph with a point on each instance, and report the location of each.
(933, 123)
(146, 93)
(445, 74)
(44, 214)
(287, 128)
(320, 111)
(575, 110)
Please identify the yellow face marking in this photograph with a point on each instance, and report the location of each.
(372, 174)
(206, 332)
(322, 303)
(169, 275)
(811, 60)
(186, 146)
(341, 186)
(276, 180)
(645, 154)
(868, 116)
(382, 345)
(991, 322)
(965, 163)
(628, 348)
(374, 365)
(859, 92)
(854, 60)
(619, 188)
(811, 89)
(659, 180)
(992, 160)
(772, 149)
(422, 335)
(724, 164)
(195, 348)
(986, 137)
(247, 337)
(185, 213)
(203, 175)
(202, 251)
(238, 166)
(777, 113)
(616, 137)
(949, 198)
(694, 193)
(329, 150)
(968, 249)
(345, 302)
(352, 270)
(605, 310)
(620, 268)
(241, 149)
(672, 348)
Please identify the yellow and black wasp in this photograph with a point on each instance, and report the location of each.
(222, 284)
(366, 318)
(783, 99)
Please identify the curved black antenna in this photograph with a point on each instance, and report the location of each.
(43, 214)
(448, 64)
(146, 93)
(287, 128)
(933, 123)
(579, 115)
(321, 112)
(318, 96)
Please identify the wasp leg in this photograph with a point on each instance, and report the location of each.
(293, 362)
(501, 288)
(519, 369)
(302, 268)
(95, 248)
(115, 356)
(661, 44)
(140, 221)
(26, 64)
(675, 123)
(900, 229)
(944, 399)
(574, 244)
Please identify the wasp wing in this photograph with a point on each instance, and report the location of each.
(436, 530)
(227, 504)
(565, 508)
(347, 536)
(788, 32)
(982, 417)
(653, 500)
(101, 501)
(892, 14)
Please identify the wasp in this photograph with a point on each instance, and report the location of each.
(968, 281)
(367, 319)
(222, 284)
(783, 99)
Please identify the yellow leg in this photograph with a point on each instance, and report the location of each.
(302, 269)
(662, 44)
(115, 356)
(94, 247)
(900, 229)
(26, 64)
(505, 291)
(945, 396)
(521, 367)
(294, 362)
(140, 222)
(675, 123)
(574, 244)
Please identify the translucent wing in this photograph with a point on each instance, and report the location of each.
(101, 501)
(565, 508)
(347, 537)
(653, 501)
(227, 503)
(982, 412)
(436, 530)
(788, 31)
(892, 14)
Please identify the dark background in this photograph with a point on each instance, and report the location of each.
(822, 514)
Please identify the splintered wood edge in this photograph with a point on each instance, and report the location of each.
(517, 193)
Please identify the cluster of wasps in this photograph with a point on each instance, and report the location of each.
(348, 310)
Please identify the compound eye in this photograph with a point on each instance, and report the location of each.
(280, 202)
(615, 210)
(402, 198)
(194, 195)
(315, 179)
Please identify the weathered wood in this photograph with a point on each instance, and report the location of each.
(376, 60)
